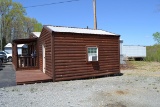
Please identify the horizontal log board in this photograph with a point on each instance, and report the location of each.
(104, 56)
(85, 68)
(85, 38)
(70, 49)
(48, 67)
(49, 73)
(84, 59)
(89, 69)
(70, 55)
(79, 74)
(82, 63)
(83, 49)
(81, 44)
(48, 60)
(87, 42)
(74, 48)
(70, 52)
(84, 76)
(65, 68)
(84, 71)
(79, 36)
(100, 55)
(68, 61)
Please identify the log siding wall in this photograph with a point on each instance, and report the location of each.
(45, 39)
(70, 61)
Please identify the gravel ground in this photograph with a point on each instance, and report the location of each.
(128, 90)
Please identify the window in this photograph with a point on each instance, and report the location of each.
(92, 53)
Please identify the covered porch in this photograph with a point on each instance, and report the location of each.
(27, 59)
(26, 62)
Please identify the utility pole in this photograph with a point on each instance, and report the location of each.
(95, 17)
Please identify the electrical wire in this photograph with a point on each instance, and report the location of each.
(51, 4)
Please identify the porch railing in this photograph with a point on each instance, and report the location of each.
(27, 61)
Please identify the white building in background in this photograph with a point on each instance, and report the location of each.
(121, 53)
(20, 47)
(134, 51)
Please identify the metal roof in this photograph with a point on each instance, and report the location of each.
(37, 34)
(79, 30)
(9, 45)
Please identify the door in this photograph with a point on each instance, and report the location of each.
(44, 60)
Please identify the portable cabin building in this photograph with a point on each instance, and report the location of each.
(67, 53)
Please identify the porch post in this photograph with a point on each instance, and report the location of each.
(37, 54)
(15, 55)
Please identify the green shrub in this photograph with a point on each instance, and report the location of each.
(153, 53)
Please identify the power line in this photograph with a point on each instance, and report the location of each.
(51, 4)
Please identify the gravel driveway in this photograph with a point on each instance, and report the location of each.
(119, 91)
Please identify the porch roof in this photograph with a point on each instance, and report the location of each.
(22, 41)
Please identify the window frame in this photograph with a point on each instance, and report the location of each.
(92, 46)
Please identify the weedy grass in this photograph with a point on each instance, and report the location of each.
(153, 53)
(146, 66)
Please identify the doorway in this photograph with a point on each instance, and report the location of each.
(44, 59)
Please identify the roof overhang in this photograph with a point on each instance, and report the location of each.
(61, 29)
(36, 34)
(24, 41)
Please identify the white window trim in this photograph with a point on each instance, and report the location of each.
(89, 57)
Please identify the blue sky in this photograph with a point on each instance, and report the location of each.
(134, 20)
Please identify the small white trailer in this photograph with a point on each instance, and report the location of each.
(121, 54)
(20, 47)
(136, 52)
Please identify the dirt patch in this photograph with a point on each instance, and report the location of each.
(127, 66)
(141, 65)
(120, 92)
(141, 68)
